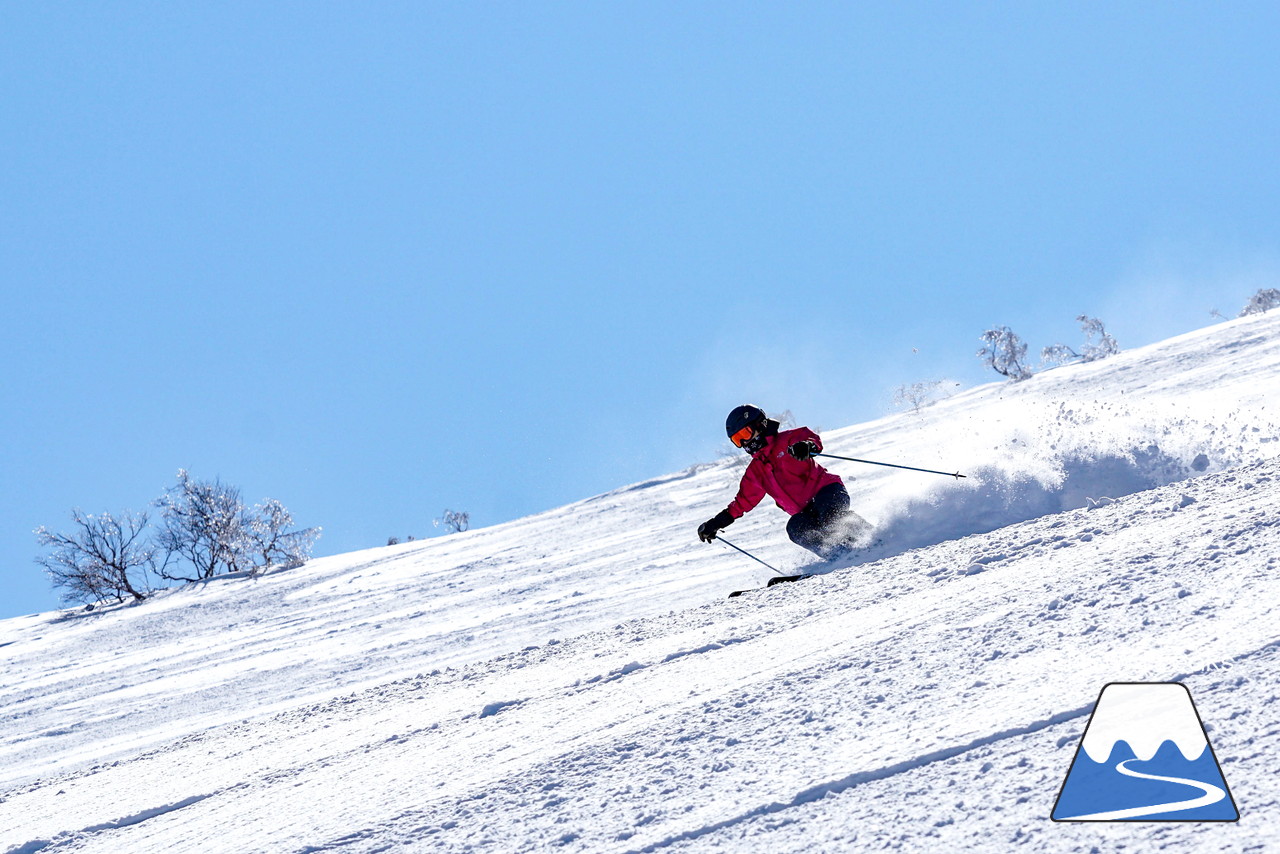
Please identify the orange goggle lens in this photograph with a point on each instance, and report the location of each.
(741, 436)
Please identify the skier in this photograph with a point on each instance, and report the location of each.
(782, 467)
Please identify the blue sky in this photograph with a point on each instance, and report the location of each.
(380, 259)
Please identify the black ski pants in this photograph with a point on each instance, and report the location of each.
(812, 527)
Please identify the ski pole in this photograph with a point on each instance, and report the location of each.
(748, 554)
(956, 475)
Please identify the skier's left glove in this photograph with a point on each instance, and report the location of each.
(803, 450)
(707, 530)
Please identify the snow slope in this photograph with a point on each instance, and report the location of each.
(577, 679)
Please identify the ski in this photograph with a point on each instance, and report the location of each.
(772, 581)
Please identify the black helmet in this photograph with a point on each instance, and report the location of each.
(739, 420)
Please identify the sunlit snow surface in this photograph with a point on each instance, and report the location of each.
(578, 681)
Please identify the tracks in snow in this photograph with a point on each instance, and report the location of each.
(76, 836)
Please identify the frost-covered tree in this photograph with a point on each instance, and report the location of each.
(206, 526)
(202, 524)
(104, 557)
(1058, 354)
(1098, 344)
(1264, 300)
(270, 541)
(1003, 352)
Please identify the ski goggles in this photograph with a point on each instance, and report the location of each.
(741, 436)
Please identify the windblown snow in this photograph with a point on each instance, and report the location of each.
(578, 681)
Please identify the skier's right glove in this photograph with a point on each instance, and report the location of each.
(707, 530)
(803, 450)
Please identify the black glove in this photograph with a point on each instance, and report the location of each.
(707, 530)
(803, 450)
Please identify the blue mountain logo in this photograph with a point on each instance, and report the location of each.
(1145, 757)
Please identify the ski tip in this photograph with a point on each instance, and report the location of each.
(785, 578)
(772, 581)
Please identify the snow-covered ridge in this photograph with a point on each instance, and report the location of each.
(578, 679)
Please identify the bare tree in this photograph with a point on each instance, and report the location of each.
(202, 523)
(101, 559)
(453, 521)
(1004, 352)
(916, 396)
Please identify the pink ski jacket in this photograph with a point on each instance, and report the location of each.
(790, 482)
